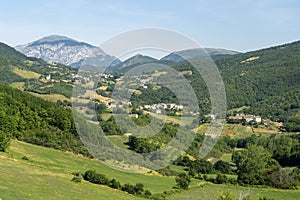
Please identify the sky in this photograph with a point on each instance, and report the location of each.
(241, 25)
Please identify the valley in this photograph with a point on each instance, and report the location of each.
(37, 98)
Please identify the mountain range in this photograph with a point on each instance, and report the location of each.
(266, 81)
(67, 51)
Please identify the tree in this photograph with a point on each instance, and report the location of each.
(139, 188)
(183, 181)
(284, 178)
(253, 163)
(114, 184)
(220, 179)
(4, 141)
(223, 167)
(129, 188)
(201, 166)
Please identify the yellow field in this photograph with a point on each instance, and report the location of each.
(159, 74)
(51, 97)
(106, 116)
(103, 87)
(164, 117)
(94, 95)
(25, 73)
(189, 72)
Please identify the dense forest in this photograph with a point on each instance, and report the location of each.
(34, 120)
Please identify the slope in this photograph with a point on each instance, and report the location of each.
(47, 168)
(34, 75)
(47, 175)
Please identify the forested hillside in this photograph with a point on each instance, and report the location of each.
(37, 121)
(265, 82)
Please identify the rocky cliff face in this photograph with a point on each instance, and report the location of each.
(67, 51)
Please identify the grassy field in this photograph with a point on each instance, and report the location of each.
(119, 140)
(25, 73)
(226, 157)
(92, 94)
(211, 192)
(47, 175)
(43, 177)
(48, 172)
(51, 97)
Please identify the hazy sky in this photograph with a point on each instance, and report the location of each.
(241, 25)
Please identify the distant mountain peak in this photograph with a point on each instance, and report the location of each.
(180, 56)
(52, 38)
(58, 39)
(61, 49)
(140, 56)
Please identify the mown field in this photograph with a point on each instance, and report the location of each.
(45, 161)
(47, 174)
(40, 179)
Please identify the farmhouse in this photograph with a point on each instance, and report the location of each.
(248, 118)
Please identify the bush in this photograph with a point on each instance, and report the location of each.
(77, 177)
(134, 189)
(4, 141)
(147, 193)
(93, 177)
(183, 181)
(168, 172)
(114, 184)
(128, 188)
(221, 179)
(223, 167)
(25, 158)
(201, 166)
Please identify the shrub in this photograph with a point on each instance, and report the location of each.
(220, 179)
(129, 188)
(93, 177)
(25, 158)
(4, 141)
(77, 177)
(223, 167)
(183, 181)
(114, 184)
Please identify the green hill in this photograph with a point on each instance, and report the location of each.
(32, 171)
(46, 174)
(265, 82)
(34, 120)
(30, 73)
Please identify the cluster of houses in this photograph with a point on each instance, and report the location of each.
(120, 104)
(105, 76)
(162, 106)
(88, 78)
(248, 118)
